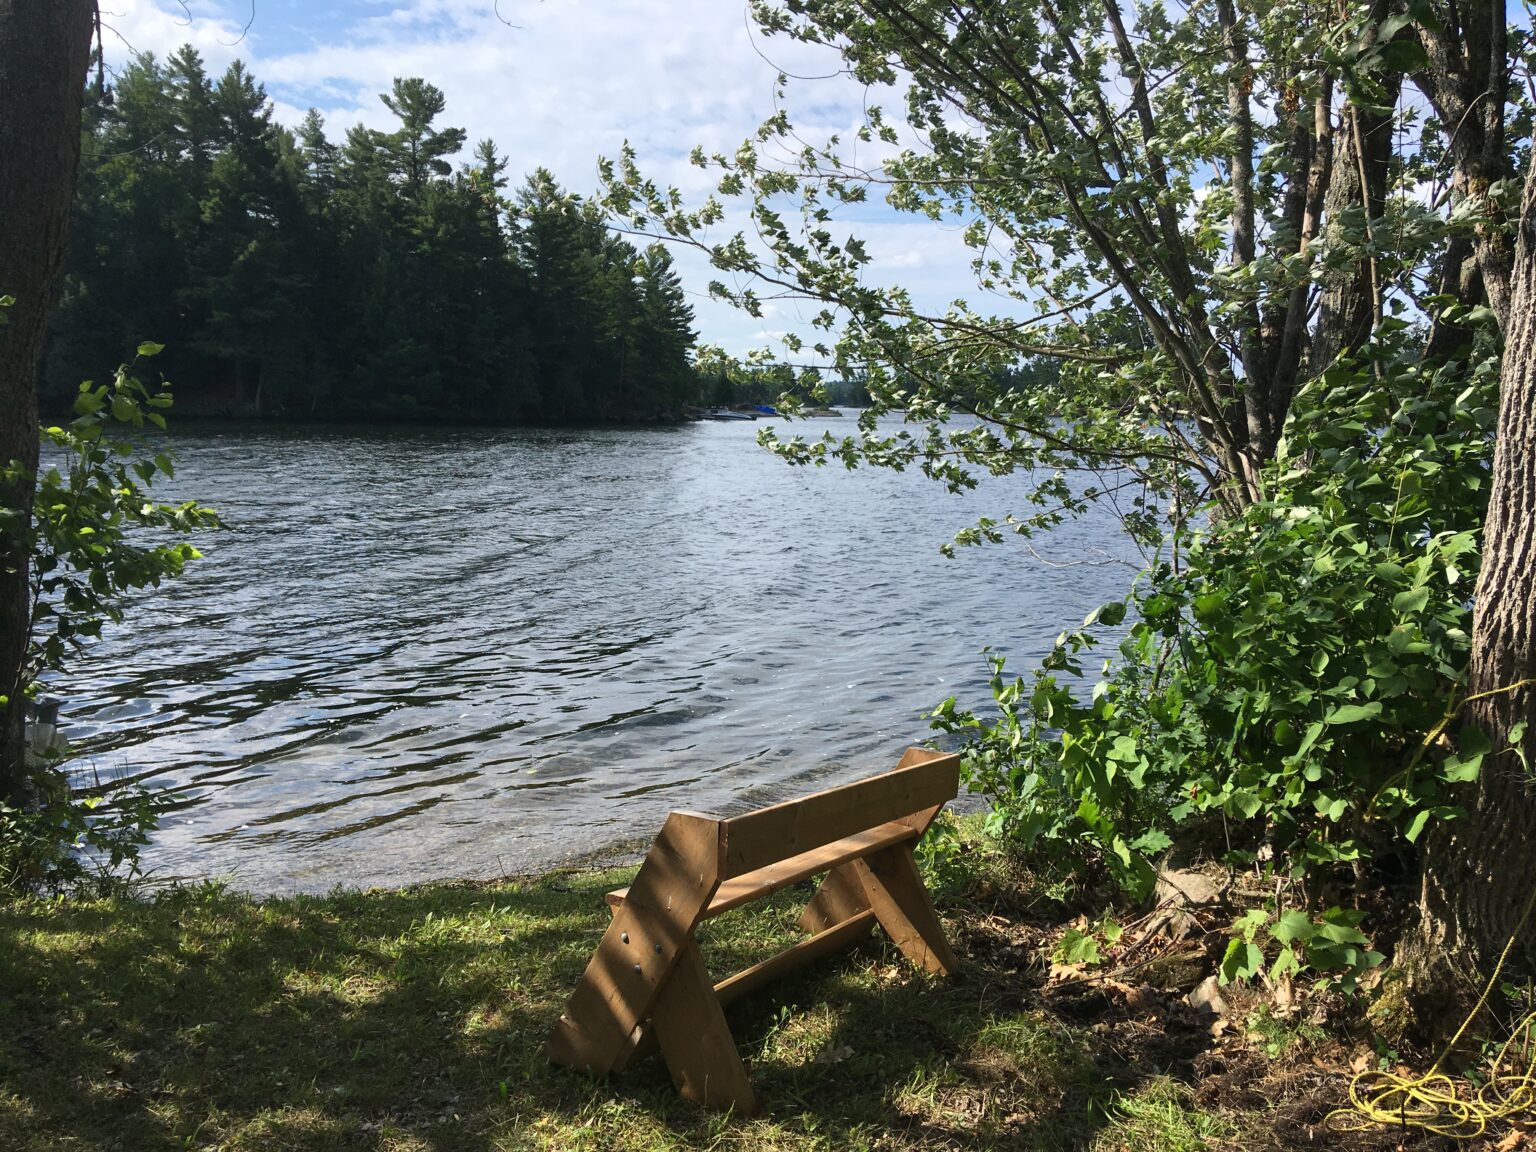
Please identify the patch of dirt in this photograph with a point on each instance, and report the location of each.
(1131, 1017)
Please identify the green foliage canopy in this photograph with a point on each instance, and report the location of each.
(1163, 200)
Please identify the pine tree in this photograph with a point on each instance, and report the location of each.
(194, 121)
(666, 335)
(415, 151)
(247, 280)
(288, 274)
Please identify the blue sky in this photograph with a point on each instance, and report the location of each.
(567, 82)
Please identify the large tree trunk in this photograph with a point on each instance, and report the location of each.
(1345, 310)
(44, 52)
(1480, 871)
(1467, 82)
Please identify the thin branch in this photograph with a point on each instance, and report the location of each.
(249, 21)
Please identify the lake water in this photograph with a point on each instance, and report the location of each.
(422, 654)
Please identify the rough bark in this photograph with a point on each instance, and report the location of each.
(1239, 85)
(1459, 277)
(1479, 871)
(44, 52)
(1345, 310)
(1467, 82)
(1285, 333)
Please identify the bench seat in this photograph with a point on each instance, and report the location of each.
(755, 885)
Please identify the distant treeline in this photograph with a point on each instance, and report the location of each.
(765, 383)
(291, 276)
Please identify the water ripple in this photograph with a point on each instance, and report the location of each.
(431, 653)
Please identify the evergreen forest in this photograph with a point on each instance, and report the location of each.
(290, 276)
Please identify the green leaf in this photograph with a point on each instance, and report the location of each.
(1152, 843)
(1314, 731)
(1293, 925)
(1338, 926)
(1410, 602)
(1109, 614)
(1242, 961)
(1249, 923)
(1461, 769)
(1125, 749)
(1474, 741)
(150, 348)
(1416, 826)
(1331, 808)
(1207, 607)
(1404, 56)
(1076, 947)
(1354, 713)
(1285, 963)
(1247, 803)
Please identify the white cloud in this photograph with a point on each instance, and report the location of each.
(130, 26)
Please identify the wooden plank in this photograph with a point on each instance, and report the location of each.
(915, 755)
(643, 942)
(900, 902)
(770, 879)
(641, 1042)
(919, 821)
(842, 893)
(758, 839)
(695, 1041)
(834, 939)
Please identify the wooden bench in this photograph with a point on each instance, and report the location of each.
(646, 983)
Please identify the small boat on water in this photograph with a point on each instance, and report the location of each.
(727, 414)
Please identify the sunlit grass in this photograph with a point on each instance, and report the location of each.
(415, 1019)
(1160, 1115)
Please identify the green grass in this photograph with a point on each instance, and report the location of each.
(1160, 1115)
(415, 1019)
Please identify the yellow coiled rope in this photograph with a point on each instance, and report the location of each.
(1432, 1102)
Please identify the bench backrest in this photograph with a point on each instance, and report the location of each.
(922, 781)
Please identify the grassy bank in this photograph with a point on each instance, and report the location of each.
(414, 1019)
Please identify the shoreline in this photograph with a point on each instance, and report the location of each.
(624, 852)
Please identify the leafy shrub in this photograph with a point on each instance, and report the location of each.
(68, 838)
(1288, 676)
(96, 536)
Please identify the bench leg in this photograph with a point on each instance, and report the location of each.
(695, 1041)
(633, 962)
(895, 891)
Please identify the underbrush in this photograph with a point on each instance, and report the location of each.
(1286, 703)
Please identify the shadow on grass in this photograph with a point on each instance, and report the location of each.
(416, 1020)
(981, 1060)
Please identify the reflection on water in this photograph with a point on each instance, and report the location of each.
(431, 653)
